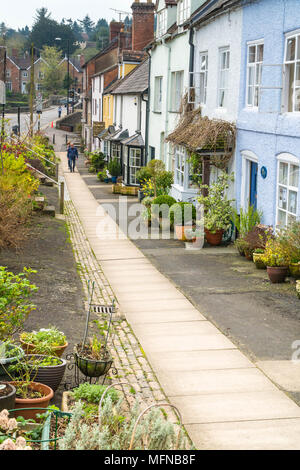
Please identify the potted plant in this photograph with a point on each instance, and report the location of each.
(7, 396)
(44, 341)
(142, 176)
(102, 175)
(93, 358)
(295, 268)
(290, 240)
(277, 261)
(114, 169)
(9, 355)
(241, 246)
(257, 258)
(29, 394)
(160, 210)
(146, 214)
(217, 209)
(15, 291)
(47, 370)
(183, 217)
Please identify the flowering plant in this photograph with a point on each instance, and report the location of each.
(275, 254)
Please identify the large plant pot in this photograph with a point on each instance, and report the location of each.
(50, 375)
(277, 274)
(257, 259)
(214, 239)
(91, 368)
(7, 402)
(31, 348)
(7, 362)
(114, 179)
(295, 270)
(181, 231)
(24, 404)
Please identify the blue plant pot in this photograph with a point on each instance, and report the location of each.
(114, 179)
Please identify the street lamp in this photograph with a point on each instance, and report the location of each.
(68, 73)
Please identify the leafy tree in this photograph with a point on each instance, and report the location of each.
(53, 73)
(87, 25)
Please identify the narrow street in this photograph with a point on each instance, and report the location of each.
(47, 117)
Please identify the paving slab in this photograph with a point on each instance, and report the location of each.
(185, 343)
(284, 373)
(280, 434)
(164, 316)
(173, 328)
(188, 383)
(175, 361)
(229, 407)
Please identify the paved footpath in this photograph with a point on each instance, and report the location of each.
(226, 402)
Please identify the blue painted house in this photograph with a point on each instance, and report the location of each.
(268, 138)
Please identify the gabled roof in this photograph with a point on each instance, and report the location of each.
(136, 81)
(74, 62)
(135, 140)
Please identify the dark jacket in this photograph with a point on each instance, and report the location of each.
(72, 153)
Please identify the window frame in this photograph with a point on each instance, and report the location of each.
(175, 99)
(289, 160)
(162, 22)
(254, 65)
(222, 50)
(287, 63)
(204, 73)
(158, 85)
(183, 11)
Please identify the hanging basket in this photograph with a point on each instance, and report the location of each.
(92, 368)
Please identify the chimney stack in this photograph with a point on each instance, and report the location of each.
(114, 29)
(142, 24)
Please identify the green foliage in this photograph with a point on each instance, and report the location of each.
(164, 182)
(97, 160)
(45, 340)
(164, 199)
(276, 254)
(289, 238)
(93, 393)
(154, 432)
(15, 291)
(217, 207)
(102, 175)
(53, 73)
(114, 167)
(182, 213)
(143, 175)
(246, 220)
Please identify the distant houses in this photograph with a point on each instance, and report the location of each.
(18, 72)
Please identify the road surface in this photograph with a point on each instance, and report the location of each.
(47, 117)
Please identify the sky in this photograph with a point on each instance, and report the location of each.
(21, 12)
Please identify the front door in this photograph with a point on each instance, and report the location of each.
(253, 185)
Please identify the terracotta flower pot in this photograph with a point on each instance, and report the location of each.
(43, 402)
(181, 231)
(277, 274)
(31, 348)
(214, 239)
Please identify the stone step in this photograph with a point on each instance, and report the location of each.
(49, 210)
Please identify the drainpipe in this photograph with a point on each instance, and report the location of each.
(192, 55)
(167, 94)
(147, 111)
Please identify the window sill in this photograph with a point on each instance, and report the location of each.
(174, 112)
(156, 112)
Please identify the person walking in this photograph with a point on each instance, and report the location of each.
(72, 157)
(59, 112)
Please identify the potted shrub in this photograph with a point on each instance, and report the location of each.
(241, 246)
(246, 220)
(47, 370)
(114, 169)
(277, 261)
(183, 216)
(295, 268)
(146, 214)
(45, 341)
(29, 394)
(160, 209)
(257, 258)
(15, 291)
(217, 209)
(102, 175)
(93, 359)
(9, 356)
(7, 396)
(290, 239)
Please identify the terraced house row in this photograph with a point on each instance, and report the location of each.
(217, 79)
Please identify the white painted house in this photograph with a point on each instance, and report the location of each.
(169, 81)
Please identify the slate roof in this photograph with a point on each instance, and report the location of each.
(135, 140)
(210, 8)
(136, 81)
